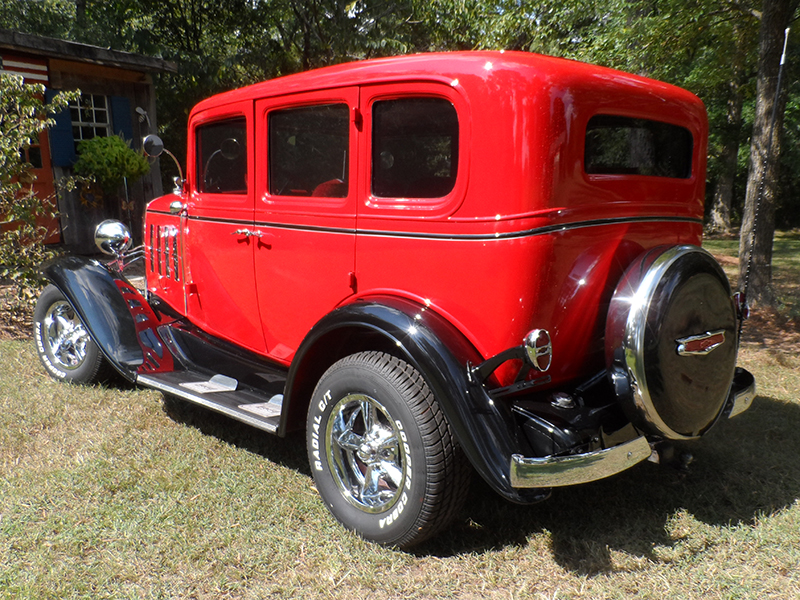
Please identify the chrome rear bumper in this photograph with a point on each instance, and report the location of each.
(742, 394)
(558, 471)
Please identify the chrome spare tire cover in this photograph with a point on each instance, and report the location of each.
(671, 341)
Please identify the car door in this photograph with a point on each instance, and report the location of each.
(305, 211)
(219, 271)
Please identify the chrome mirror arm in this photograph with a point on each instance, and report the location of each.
(178, 181)
(154, 147)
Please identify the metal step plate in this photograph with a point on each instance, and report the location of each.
(219, 394)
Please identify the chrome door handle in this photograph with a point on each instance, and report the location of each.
(247, 233)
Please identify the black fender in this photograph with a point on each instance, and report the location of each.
(484, 429)
(97, 299)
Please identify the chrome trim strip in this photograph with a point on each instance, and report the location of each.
(512, 235)
(559, 471)
(477, 237)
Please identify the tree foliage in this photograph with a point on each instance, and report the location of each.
(23, 116)
(707, 46)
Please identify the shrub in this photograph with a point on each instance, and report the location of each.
(110, 160)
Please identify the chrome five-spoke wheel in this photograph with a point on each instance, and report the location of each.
(64, 346)
(365, 453)
(382, 454)
(64, 336)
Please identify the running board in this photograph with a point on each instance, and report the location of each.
(219, 394)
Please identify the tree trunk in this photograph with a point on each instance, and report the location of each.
(758, 225)
(720, 217)
(80, 15)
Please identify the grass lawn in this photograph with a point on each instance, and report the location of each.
(785, 266)
(119, 493)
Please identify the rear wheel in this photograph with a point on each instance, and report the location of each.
(383, 457)
(62, 342)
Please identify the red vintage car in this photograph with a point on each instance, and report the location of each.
(433, 264)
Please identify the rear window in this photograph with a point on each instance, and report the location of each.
(414, 148)
(625, 146)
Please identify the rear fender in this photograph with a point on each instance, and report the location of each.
(116, 316)
(434, 347)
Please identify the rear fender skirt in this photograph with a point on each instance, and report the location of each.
(441, 354)
(117, 317)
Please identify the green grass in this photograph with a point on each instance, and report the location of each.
(115, 493)
(785, 266)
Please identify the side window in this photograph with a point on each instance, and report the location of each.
(414, 148)
(222, 157)
(625, 146)
(308, 151)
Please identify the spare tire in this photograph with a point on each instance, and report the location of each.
(671, 341)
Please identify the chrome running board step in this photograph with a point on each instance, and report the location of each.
(220, 394)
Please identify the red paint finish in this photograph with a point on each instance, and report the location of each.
(304, 261)
(523, 239)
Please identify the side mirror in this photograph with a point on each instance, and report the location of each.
(231, 149)
(152, 145)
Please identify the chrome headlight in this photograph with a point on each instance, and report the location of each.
(113, 237)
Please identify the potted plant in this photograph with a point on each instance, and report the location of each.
(110, 161)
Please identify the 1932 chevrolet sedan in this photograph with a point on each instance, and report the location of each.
(428, 262)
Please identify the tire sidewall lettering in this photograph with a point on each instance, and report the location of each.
(44, 355)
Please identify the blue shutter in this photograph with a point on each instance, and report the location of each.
(62, 144)
(121, 121)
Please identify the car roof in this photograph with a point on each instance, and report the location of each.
(467, 69)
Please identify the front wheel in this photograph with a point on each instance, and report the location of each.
(62, 342)
(383, 457)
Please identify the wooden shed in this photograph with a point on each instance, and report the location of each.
(117, 98)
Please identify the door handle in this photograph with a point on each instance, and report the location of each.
(248, 233)
(264, 238)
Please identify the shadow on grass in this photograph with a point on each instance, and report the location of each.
(289, 452)
(746, 467)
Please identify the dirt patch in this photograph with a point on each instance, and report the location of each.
(727, 261)
(768, 328)
(16, 322)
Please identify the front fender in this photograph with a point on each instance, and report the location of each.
(424, 339)
(94, 294)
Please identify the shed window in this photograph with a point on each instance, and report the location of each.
(222, 157)
(90, 117)
(414, 148)
(625, 146)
